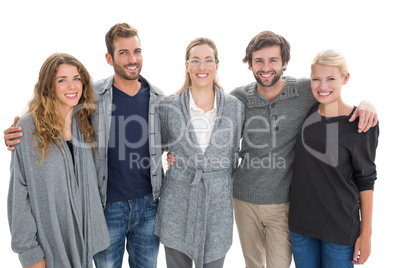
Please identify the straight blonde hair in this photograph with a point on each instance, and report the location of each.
(332, 58)
(197, 42)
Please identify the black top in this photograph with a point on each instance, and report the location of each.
(70, 145)
(333, 163)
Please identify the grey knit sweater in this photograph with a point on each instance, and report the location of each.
(54, 208)
(195, 213)
(269, 136)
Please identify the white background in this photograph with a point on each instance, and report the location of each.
(366, 32)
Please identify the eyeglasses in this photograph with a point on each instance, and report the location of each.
(196, 63)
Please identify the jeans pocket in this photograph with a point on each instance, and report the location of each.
(114, 206)
(151, 201)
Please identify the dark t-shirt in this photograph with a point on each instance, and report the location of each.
(70, 146)
(333, 163)
(128, 151)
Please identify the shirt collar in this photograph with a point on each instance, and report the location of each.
(194, 107)
(289, 91)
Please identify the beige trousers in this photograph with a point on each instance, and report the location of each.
(264, 234)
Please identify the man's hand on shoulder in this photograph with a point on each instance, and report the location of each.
(367, 116)
(11, 133)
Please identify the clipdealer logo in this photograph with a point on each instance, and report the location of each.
(331, 154)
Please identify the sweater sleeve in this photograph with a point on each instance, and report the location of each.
(21, 220)
(363, 157)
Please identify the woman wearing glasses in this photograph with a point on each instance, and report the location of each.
(201, 127)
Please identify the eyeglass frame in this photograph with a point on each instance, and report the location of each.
(191, 62)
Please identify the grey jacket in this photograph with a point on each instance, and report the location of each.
(269, 137)
(54, 208)
(195, 213)
(101, 122)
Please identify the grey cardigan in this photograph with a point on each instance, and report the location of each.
(195, 214)
(54, 208)
(101, 122)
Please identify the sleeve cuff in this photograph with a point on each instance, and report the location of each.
(31, 256)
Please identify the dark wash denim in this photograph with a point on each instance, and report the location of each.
(309, 252)
(132, 221)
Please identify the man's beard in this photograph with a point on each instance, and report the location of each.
(121, 71)
(274, 80)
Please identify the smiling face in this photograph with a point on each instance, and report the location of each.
(326, 83)
(68, 87)
(127, 58)
(267, 65)
(204, 74)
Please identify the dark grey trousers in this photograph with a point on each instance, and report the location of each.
(176, 259)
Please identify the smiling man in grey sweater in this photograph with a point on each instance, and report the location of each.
(275, 110)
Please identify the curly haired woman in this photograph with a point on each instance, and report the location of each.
(54, 208)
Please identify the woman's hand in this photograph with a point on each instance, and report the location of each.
(170, 159)
(362, 249)
(363, 242)
(39, 264)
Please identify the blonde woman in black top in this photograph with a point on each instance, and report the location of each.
(333, 176)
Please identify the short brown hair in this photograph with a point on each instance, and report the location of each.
(267, 39)
(118, 30)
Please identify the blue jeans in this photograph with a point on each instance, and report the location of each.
(133, 220)
(313, 253)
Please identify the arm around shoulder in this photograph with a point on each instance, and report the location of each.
(12, 134)
(367, 116)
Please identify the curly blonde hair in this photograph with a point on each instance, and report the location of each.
(44, 106)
